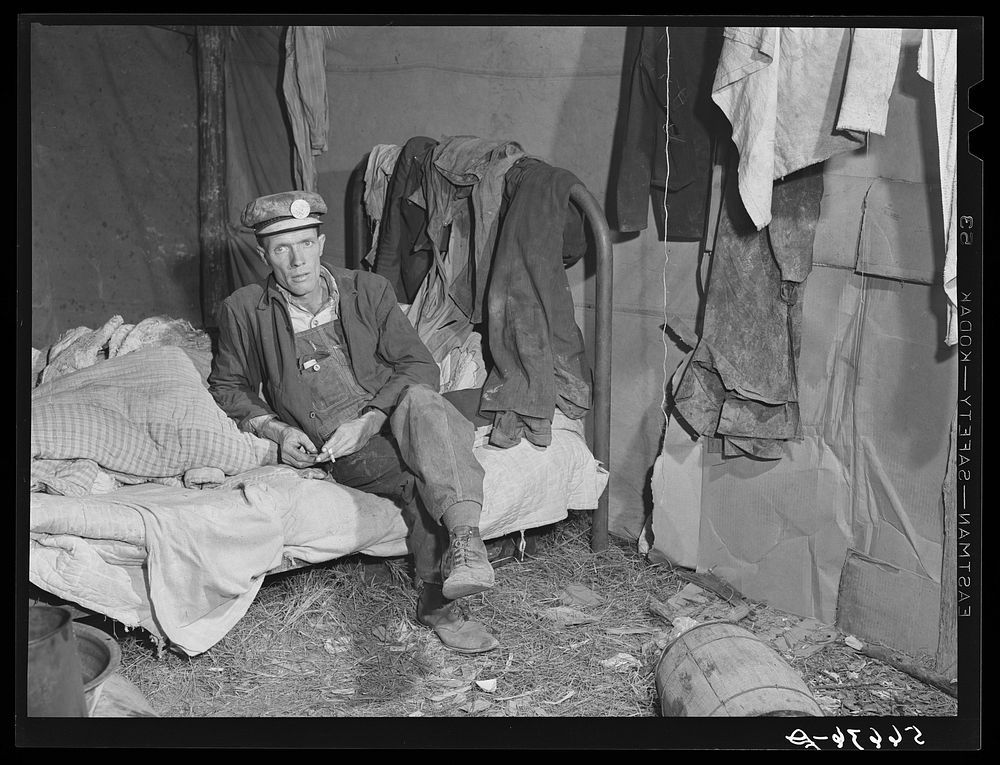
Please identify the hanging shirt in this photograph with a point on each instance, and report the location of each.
(304, 87)
(642, 172)
(402, 250)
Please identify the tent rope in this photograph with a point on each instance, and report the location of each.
(666, 254)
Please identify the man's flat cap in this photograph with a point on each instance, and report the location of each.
(287, 211)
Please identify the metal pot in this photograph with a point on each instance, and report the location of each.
(55, 677)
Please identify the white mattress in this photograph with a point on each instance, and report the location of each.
(186, 563)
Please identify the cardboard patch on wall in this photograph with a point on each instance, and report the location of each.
(676, 489)
(898, 238)
(778, 530)
(883, 603)
(880, 227)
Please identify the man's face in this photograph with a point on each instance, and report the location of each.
(294, 259)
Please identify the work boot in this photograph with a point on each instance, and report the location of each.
(449, 623)
(466, 566)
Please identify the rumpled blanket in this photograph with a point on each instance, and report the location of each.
(207, 552)
(82, 347)
(142, 417)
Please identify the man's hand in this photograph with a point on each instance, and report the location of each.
(352, 435)
(296, 448)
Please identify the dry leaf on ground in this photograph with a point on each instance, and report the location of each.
(579, 595)
(567, 616)
(621, 662)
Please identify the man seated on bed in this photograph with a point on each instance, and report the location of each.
(348, 385)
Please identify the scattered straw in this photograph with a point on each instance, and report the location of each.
(329, 641)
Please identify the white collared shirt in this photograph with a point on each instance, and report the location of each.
(302, 318)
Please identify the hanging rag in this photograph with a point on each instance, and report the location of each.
(642, 170)
(381, 164)
(740, 382)
(938, 62)
(304, 86)
(539, 362)
(797, 96)
(871, 74)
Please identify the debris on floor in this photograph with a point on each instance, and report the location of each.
(580, 634)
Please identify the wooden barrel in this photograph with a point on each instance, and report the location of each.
(718, 669)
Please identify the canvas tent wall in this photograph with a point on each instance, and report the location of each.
(114, 185)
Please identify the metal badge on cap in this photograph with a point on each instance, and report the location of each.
(300, 209)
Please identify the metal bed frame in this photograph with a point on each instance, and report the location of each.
(359, 236)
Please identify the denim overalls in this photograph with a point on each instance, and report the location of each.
(325, 368)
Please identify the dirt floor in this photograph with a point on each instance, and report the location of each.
(580, 635)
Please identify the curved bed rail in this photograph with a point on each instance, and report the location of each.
(604, 284)
(358, 244)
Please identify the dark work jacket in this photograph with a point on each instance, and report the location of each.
(403, 252)
(694, 119)
(537, 348)
(256, 351)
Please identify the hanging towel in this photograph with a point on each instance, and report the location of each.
(870, 77)
(938, 63)
(785, 91)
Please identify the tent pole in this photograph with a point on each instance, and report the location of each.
(212, 213)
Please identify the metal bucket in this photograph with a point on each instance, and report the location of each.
(720, 670)
(55, 678)
(100, 658)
